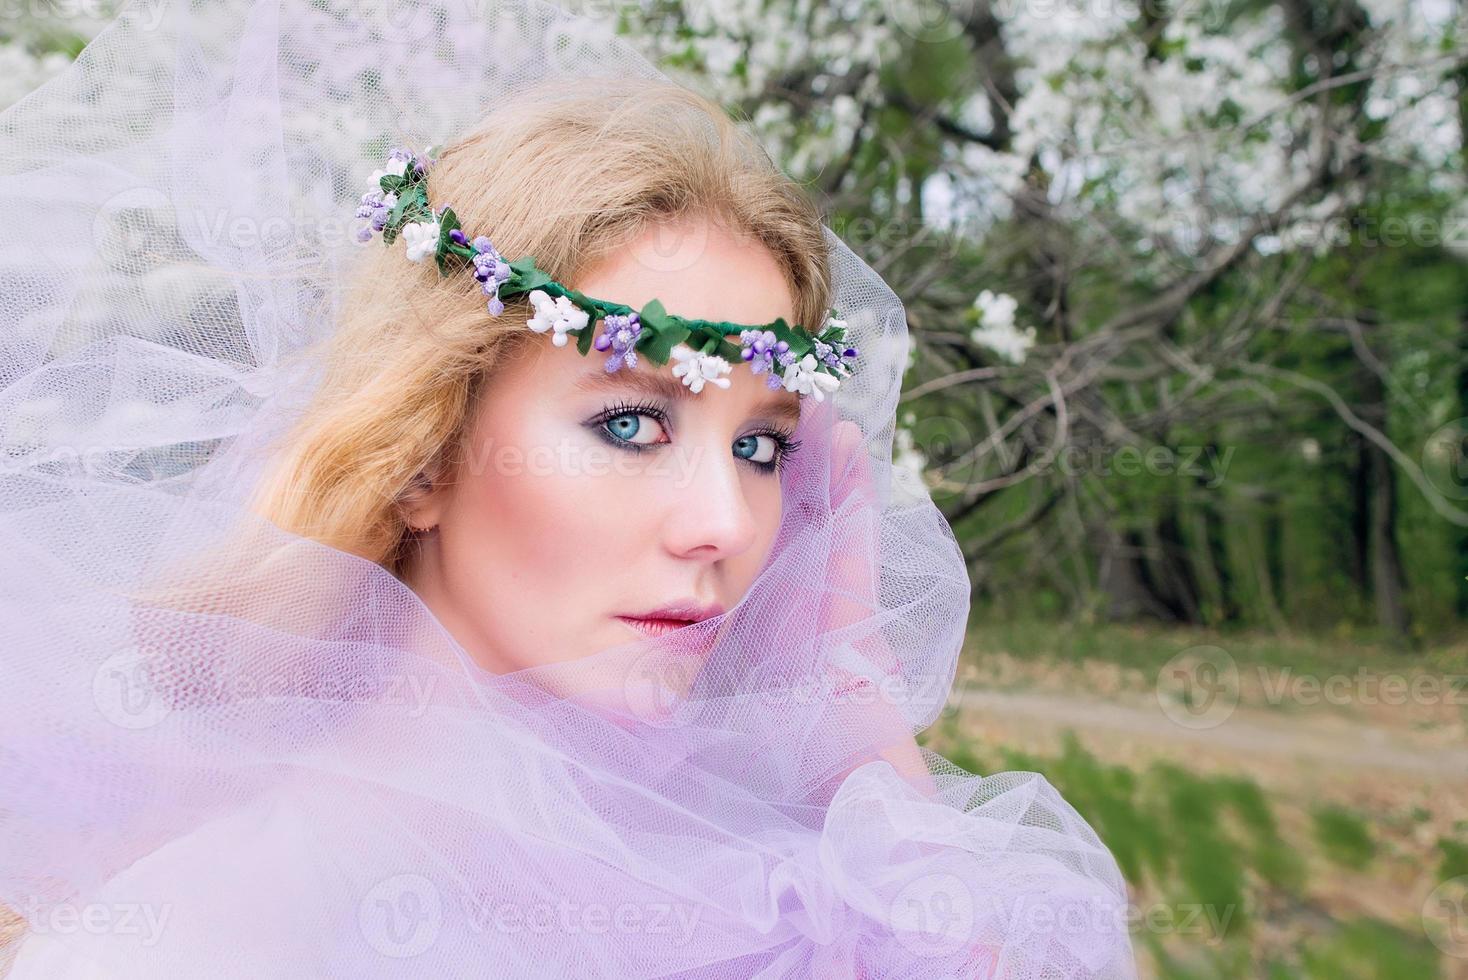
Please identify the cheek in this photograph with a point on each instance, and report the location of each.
(528, 517)
(766, 508)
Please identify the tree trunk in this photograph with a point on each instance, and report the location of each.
(1387, 577)
(1121, 578)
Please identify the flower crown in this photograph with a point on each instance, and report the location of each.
(790, 356)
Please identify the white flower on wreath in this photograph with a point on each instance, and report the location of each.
(394, 168)
(559, 315)
(421, 239)
(802, 377)
(696, 369)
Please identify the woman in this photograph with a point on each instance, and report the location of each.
(432, 644)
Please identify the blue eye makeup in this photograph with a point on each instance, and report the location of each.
(637, 427)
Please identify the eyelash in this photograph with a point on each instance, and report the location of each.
(785, 445)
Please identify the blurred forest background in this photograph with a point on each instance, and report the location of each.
(1189, 377)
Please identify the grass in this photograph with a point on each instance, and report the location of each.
(1343, 837)
(1148, 649)
(1245, 893)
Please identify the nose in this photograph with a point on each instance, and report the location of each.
(711, 518)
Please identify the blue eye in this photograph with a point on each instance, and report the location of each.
(632, 427)
(628, 426)
(767, 456)
(750, 448)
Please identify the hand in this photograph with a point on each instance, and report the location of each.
(852, 597)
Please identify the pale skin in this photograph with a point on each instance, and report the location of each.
(571, 504)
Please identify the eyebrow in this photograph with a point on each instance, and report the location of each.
(670, 389)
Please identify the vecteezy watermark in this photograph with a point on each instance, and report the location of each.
(137, 690)
(1199, 687)
(401, 916)
(940, 914)
(937, 21)
(1426, 231)
(1203, 463)
(673, 922)
(1445, 459)
(567, 459)
(124, 691)
(141, 919)
(924, 691)
(1364, 687)
(1445, 917)
(658, 682)
(404, 915)
(888, 234)
(146, 14)
(934, 915)
(1041, 914)
(948, 443)
(1182, 918)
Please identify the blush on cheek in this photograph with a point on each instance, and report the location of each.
(546, 525)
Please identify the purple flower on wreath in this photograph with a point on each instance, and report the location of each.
(377, 204)
(836, 358)
(826, 354)
(785, 358)
(375, 207)
(760, 348)
(620, 332)
(490, 268)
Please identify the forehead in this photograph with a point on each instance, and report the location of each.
(699, 266)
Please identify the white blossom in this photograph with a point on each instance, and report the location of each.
(559, 315)
(696, 369)
(394, 168)
(997, 330)
(803, 378)
(421, 239)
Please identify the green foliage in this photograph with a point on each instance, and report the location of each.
(1275, 861)
(1209, 863)
(1370, 950)
(1343, 836)
(1038, 640)
(1454, 859)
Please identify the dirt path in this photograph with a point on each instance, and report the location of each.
(1253, 736)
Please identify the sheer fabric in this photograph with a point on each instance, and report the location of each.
(228, 750)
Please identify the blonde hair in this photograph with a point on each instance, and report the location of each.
(564, 172)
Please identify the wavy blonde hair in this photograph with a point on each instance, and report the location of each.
(566, 172)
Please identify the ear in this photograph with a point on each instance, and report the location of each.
(422, 503)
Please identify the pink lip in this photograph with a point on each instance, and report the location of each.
(655, 627)
(672, 616)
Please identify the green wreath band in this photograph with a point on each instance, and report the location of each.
(664, 330)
